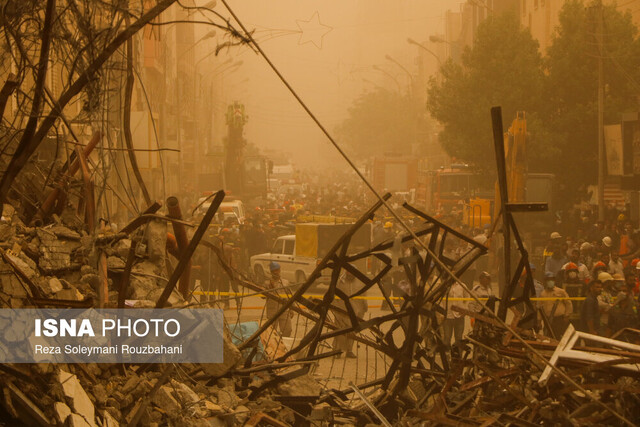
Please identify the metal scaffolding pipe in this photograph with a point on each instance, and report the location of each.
(173, 207)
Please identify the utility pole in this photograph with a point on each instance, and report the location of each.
(601, 152)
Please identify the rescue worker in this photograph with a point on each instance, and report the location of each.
(283, 324)
(554, 263)
(605, 300)
(558, 310)
(616, 266)
(624, 313)
(590, 313)
(349, 285)
(483, 290)
(583, 271)
(453, 324)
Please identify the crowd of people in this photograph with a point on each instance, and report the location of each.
(590, 279)
(602, 264)
(588, 274)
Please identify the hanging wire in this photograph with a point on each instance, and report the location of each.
(410, 232)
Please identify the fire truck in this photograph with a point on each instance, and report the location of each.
(461, 188)
(457, 187)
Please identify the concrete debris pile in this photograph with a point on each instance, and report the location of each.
(497, 378)
(59, 264)
(109, 396)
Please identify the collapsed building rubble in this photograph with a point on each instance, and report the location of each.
(504, 374)
(494, 381)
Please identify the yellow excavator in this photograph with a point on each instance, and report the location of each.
(481, 211)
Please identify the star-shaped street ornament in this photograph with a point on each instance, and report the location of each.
(313, 31)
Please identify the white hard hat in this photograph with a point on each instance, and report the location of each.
(603, 276)
(555, 235)
(607, 241)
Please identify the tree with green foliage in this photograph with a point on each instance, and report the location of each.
(571, 86)
(382, 121)
(503, 68)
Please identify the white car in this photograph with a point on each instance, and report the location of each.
(233, 209)
(293, 268)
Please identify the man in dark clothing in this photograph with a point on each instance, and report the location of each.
(590, 313)
(624, 313)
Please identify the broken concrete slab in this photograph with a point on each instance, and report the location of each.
(77, 396)
(156, 235)
(64, 233)
(70, 294)
(23, 266)
(55, 252)
(212, 408)
(26, 408)
(76, 420)
(109, 421)
(115, 263)
(184, 393)
(55, 285)
(61, 411)
(11, 285)
(121, 248)
(227, 398)
(230, 356)
(7, 231)
(92, 280)
(300, 386)
(99, 392)
(143, 280)
(164, 399)
(131, 383)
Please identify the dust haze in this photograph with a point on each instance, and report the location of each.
(330, 52)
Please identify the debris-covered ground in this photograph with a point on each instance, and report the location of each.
(267, 379)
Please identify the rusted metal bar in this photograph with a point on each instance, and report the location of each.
(316, 272)
(62, 303)
(377, 413)
(145, 218)
(48, 204)
(110, 238)
(8, 88)
(90, 212)
(172, 245)
(173, 206)
(504, 385)
(185, 257)
(103, 285)
(131, 256)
